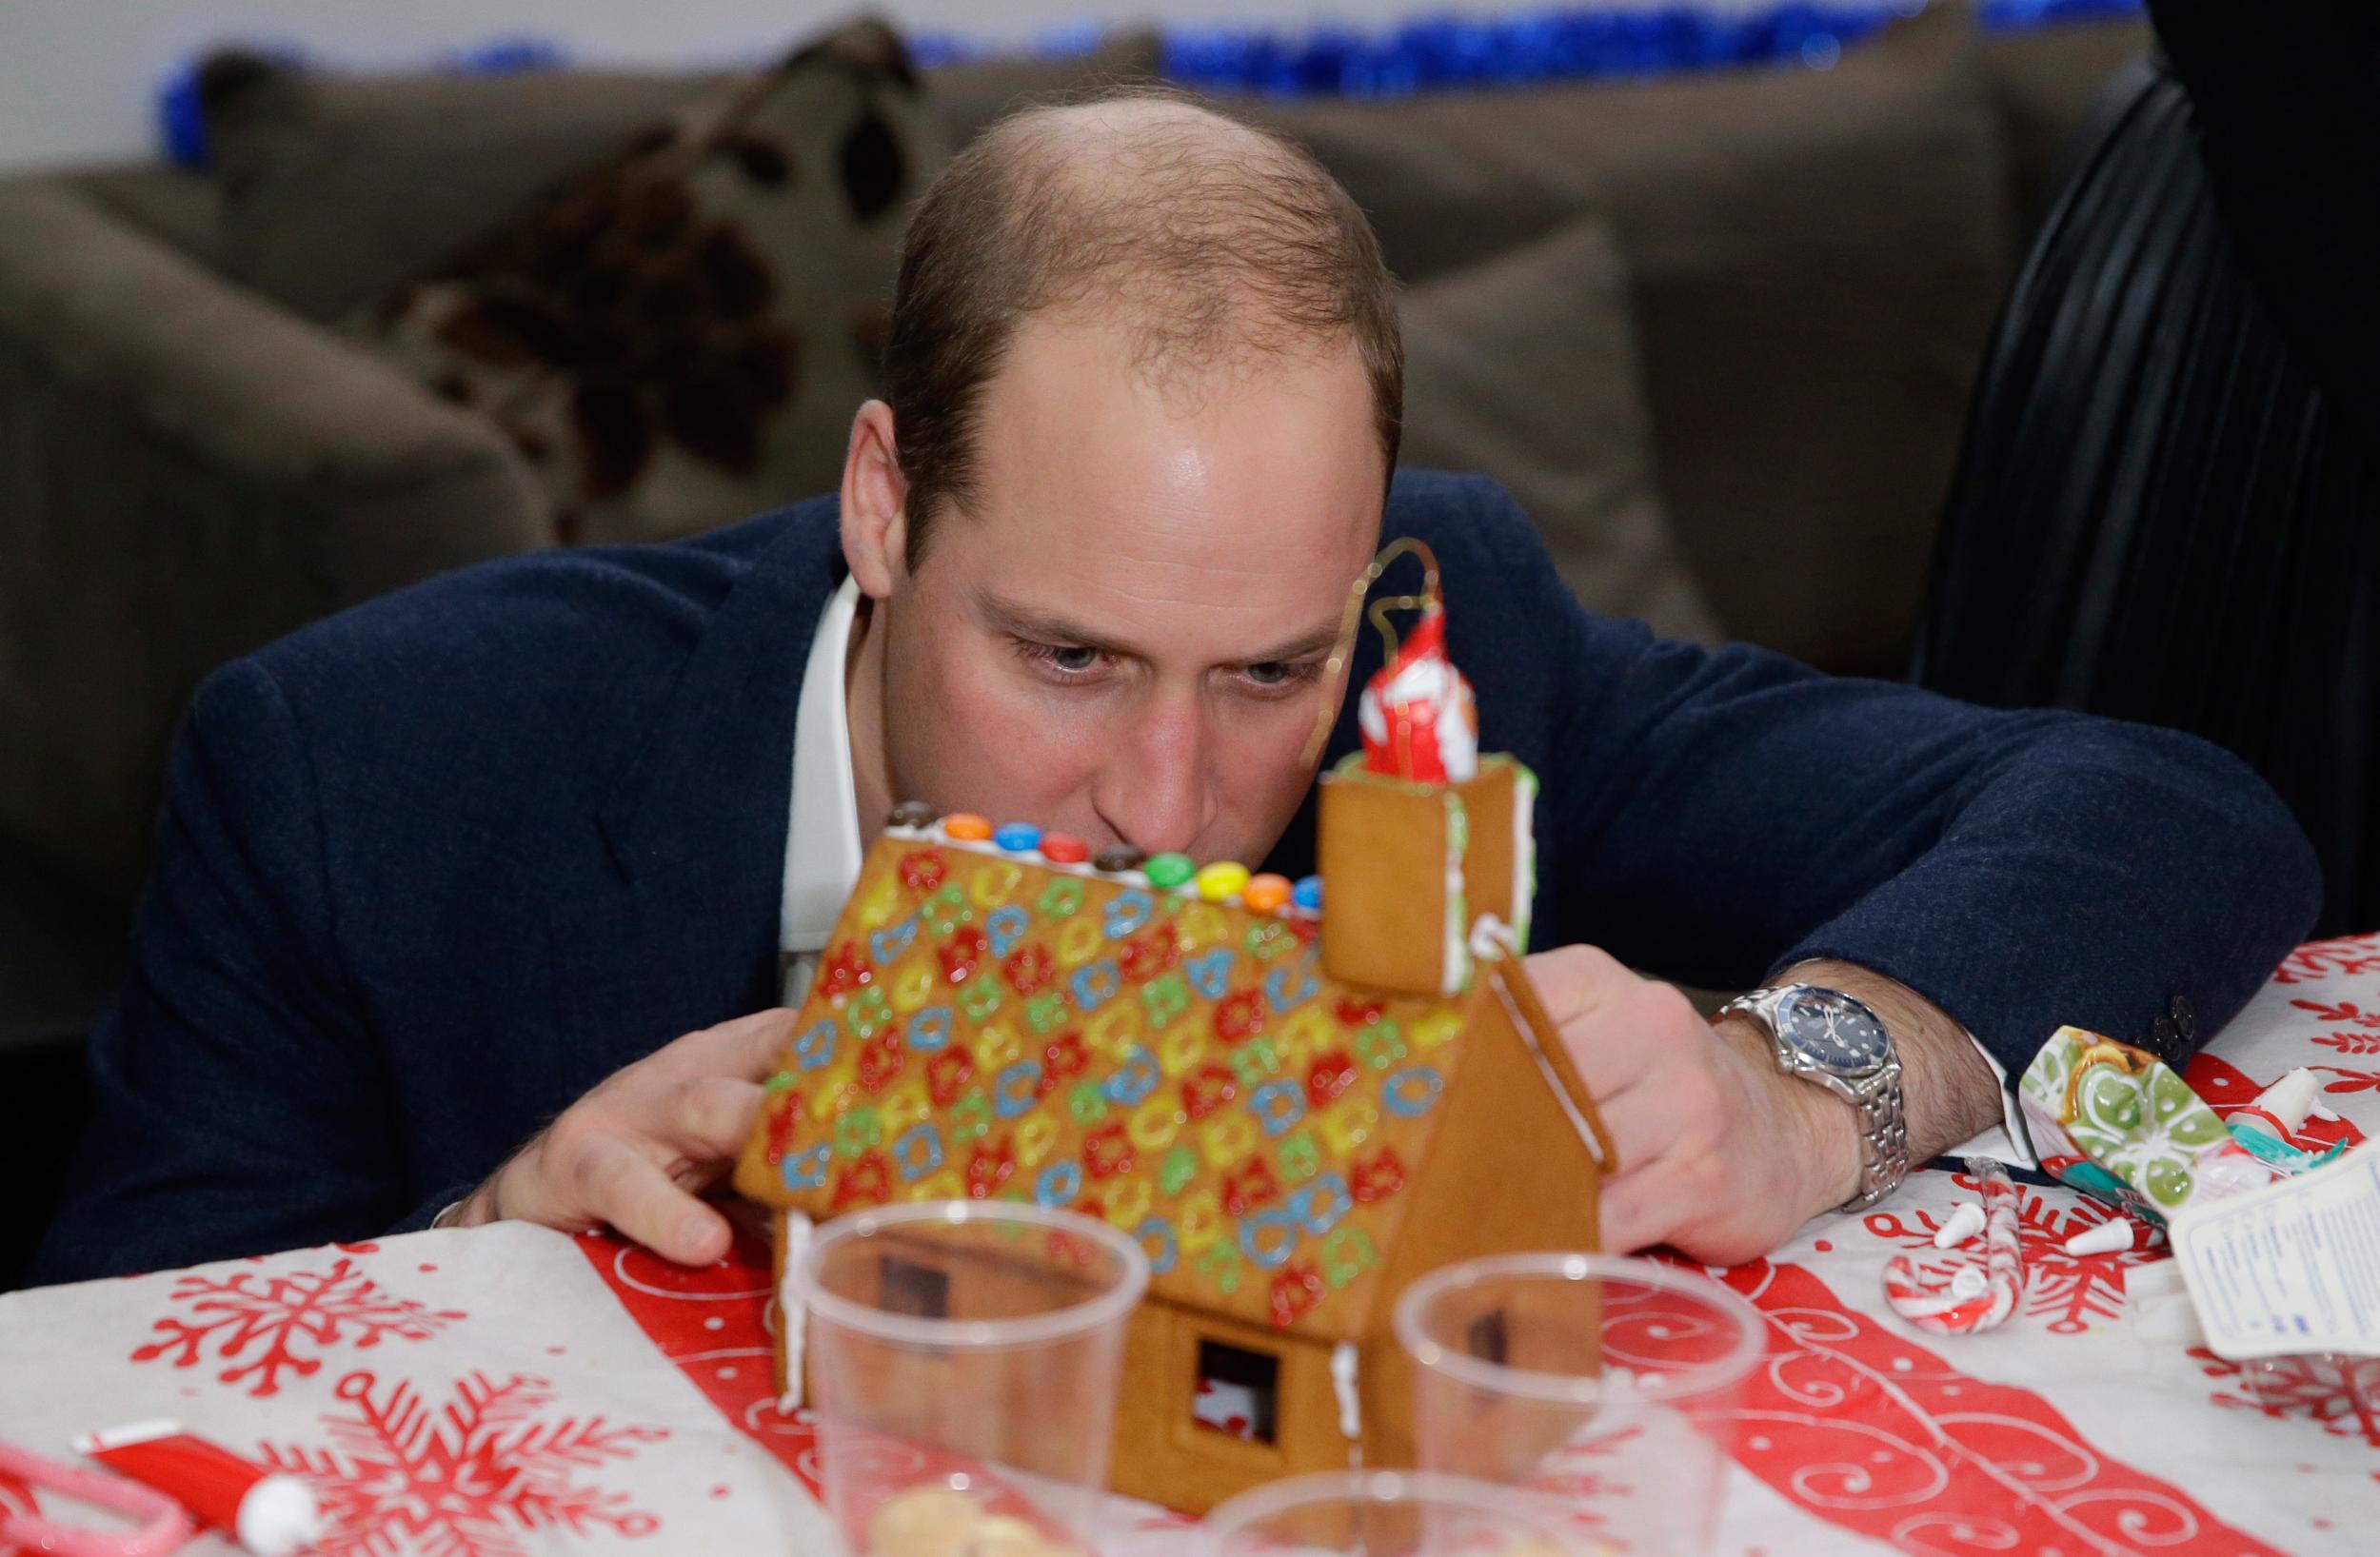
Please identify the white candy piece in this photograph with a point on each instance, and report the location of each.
(2293, 1097)
(1969, 1282)
(1964, 1224)
(2109, 1238)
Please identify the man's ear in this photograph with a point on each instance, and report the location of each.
(875, 528)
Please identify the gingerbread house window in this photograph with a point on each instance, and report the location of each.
(1488, 1339)
(1238, 1392)
(913, 1289)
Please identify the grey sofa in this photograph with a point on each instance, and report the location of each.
(1734, 319)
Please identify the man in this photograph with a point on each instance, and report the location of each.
(464, 861)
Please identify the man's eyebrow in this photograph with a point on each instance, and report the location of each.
(1040, 626)
(1030, 622)
(1320, 641)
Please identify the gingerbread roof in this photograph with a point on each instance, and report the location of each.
(986, 1023)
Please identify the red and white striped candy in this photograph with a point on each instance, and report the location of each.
(1973, 1301)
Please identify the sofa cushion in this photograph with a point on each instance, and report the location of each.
(336, 186)
(1816, 256)
(679, 337)
(1523, 366)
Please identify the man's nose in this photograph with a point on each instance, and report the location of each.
(1155, 790)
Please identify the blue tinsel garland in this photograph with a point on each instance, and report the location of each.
(1549, 44)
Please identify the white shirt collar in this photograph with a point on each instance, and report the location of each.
(823, 835)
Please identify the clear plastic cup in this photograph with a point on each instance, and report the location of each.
(1382, 1513)
(1605, 1386)
(963, 1359)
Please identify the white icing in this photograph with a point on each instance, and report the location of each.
(1346, 1385)
(935, 835)
(987, 847)
(793, 1241)
(1455, 962)
(1537, 1050)
(1524, 853)
(1491, 937)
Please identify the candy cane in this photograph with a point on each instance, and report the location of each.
(1974, 1300)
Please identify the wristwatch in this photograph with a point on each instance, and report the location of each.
(1827, 1038)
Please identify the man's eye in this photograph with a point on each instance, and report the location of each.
(1063, 660)
(1278, 674)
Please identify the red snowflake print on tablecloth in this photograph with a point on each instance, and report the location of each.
(2357, 1034)
(263, 1323)
(16, 1498)
(2321, 960)
(2348, 1080)
(2070, 1291)
(467, 1480)
(2340, 1394)
(2346, 1010)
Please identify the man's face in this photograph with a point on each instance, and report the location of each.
(1125, 637)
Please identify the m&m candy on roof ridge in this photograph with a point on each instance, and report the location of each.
(1266, 894)
(1223, 880)
(1169, 870)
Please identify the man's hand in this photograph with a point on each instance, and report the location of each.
(636, 1152)
(1722, 1155)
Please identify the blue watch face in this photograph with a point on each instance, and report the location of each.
(1833, 1031)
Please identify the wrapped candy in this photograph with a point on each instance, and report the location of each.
(2119, 1124)
(1417, 714)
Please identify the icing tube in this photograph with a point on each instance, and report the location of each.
(2266, 1126)
(2287, 1101)
(270, 1514)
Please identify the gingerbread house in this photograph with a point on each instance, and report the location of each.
(1297, 1109)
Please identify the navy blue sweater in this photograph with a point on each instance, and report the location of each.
(429, 870)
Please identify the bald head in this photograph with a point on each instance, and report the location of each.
(1209, 246)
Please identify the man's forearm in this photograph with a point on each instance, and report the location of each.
(1948, 1091)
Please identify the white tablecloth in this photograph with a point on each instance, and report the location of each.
(513, 1391)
